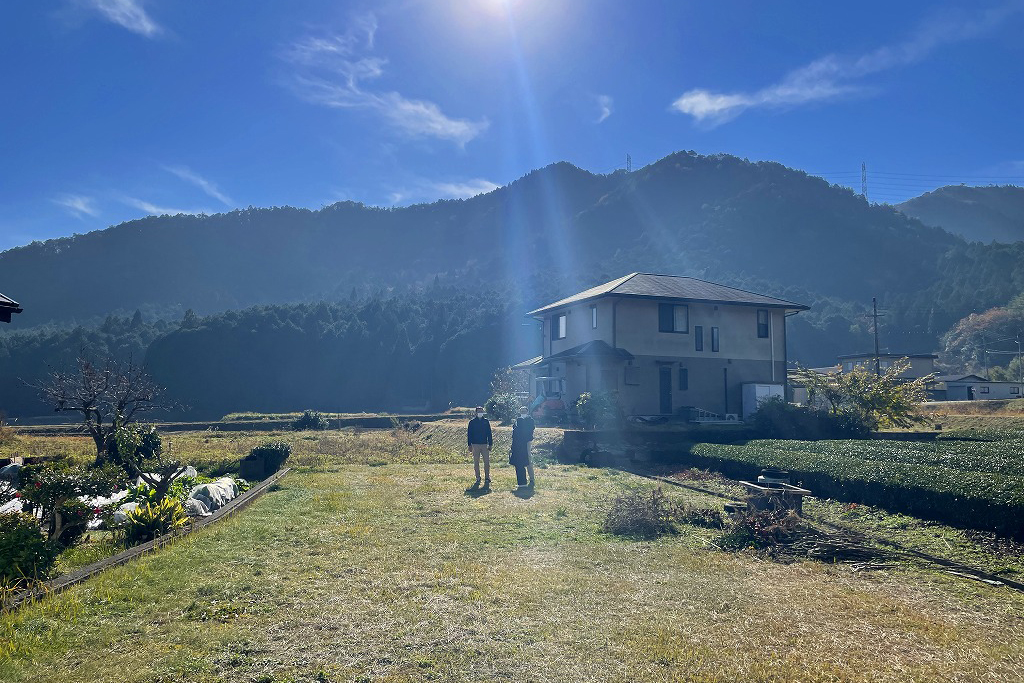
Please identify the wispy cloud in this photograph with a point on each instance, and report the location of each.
(832, 77)
(129, 14)
(604, 107)
(202, 183)
(77, 205)
(429, 190)
(332, 71)
(153, 209)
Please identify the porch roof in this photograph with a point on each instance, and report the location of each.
(527, 364)
(7, 307)
(593, 349)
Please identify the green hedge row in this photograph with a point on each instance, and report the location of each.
(962, 483)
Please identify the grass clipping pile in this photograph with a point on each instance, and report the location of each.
(777, 533)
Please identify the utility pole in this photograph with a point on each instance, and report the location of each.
(1020, 368)
(874, 315)
(864, 180)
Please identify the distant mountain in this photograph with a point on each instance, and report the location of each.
(981, 214)
(759, 226)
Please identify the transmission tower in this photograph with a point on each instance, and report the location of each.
(629, 164)
(863, 180)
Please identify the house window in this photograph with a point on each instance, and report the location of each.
(684, 379)
(714, 339)
(762, 324)
(848, 366)
(558, 326)
(593, 316)
(1014, 390)
(698, 337)
(672, 318)
(984, 390)
(632, 375)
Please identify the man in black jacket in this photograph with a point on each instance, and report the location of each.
(478, 435)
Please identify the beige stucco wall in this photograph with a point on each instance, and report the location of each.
(742, 356)
(636, 330)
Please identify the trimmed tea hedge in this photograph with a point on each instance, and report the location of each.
(967, 483)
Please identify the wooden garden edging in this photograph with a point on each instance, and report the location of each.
(79, 575)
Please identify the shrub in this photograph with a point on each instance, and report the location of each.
(273, 454)
(24, 551)
(504, 407)
(54, 488)
(148, 521)
(598, 408)
(643, 514)
(310, 419)
(777, 419)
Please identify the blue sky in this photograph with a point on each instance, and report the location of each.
(116, 109)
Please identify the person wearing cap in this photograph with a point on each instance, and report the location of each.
(522, 435)
(478, 435)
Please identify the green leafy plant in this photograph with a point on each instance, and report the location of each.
(777, 419)
(25, 553)
(310, 419)
(598, 409)
(53, 490)
(140, 452)
(148, 521)
(504, 407)
(274, 454)
(886, 400)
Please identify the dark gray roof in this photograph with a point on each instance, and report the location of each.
(650, 286)
(593, 349)
(7, 307)
(970, 379)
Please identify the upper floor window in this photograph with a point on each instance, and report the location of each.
(593, 316)
(558, 323)
(673, 318)
(698, 337)
(714, 339)
(762, 324)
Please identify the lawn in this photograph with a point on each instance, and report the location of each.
(394, 572)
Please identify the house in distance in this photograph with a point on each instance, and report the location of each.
(664, 344)
(8, 307)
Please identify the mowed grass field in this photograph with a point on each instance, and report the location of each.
(394, 572)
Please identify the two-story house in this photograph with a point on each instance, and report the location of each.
(664, 343)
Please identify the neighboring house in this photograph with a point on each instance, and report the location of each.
(921, 364)
(7, 308)
(975, 388)
(663, 343)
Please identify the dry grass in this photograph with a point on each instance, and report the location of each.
(393, 573)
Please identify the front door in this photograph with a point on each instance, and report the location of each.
(665, 390)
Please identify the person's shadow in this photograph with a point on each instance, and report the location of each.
(477, 490)
(525, 492)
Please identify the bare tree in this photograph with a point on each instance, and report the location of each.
(108, 396)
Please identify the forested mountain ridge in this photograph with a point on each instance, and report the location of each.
(982, 214)
(557, 228)
(423, 301)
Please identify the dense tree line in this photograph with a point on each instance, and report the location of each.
(413, 352)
